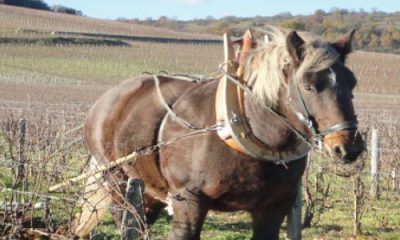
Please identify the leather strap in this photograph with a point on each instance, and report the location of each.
(349, 125)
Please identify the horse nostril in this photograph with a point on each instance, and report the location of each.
(339, 151)
(347, 155)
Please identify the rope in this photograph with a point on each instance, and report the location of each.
(171, 112)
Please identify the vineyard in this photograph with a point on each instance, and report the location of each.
(15, 18)
(47, 89)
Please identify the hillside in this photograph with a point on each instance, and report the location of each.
(17, 19)
(376, 31)
(27, 34)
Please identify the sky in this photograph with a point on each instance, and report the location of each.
(197, 9)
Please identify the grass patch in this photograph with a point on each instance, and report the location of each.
(100, 65)
(66, 41)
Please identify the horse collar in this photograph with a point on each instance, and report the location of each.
(235, 130)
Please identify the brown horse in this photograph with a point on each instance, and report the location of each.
(291, 91)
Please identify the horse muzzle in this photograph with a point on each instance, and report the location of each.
(345, 145)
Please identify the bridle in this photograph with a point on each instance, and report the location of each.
(311, 124)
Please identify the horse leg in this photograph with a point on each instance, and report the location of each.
(267, 221)
(189, 214)
(153, 208)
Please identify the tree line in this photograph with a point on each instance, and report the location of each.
(376, 30)
(41, 5)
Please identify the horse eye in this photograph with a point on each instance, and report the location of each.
(308, 87)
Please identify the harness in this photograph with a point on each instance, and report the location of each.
(235, 130)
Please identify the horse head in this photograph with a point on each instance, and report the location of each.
(306, 80)
(320, 93)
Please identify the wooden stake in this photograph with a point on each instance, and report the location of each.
(133, 225)
(375, 163)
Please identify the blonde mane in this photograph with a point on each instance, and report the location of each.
(264, 65)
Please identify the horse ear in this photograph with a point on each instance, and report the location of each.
(294, 45)
(344, 45)
(245, 44)
(248, 42)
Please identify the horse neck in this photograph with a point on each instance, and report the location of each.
(268, 127)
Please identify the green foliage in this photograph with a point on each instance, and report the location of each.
(219, 27)
(5, 177)
(41, 5)
(293, 24)
(63, 41)
(36, 4)
(67, 10)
